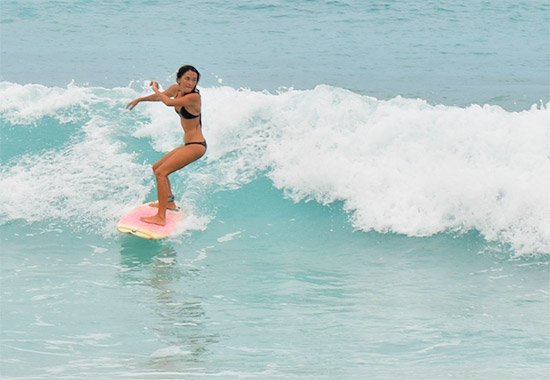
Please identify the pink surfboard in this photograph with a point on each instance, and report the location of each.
(131, 224)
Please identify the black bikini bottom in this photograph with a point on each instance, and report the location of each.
(203, 143)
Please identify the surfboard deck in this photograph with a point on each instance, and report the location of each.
(131, 224)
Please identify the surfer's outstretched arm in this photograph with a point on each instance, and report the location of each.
(155, 97)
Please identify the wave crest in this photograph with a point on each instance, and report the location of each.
(398, 165)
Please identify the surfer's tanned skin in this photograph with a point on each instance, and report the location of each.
(186, 100)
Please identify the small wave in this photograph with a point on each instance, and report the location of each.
(400, 165)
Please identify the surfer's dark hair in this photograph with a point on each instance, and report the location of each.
(187, 68)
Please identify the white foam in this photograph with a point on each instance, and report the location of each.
(400, 165)
(161, 127)
(228, 237)
(40, 322)
(85, 182)
(98, 250)
(25, 104)
(169, 352)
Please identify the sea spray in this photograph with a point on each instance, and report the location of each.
(400, 165)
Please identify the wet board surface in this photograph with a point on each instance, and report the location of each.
(131, 223)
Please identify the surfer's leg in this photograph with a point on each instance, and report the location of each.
(173, 161)
(171, 204)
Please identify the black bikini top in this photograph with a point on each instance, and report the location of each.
(186, 114)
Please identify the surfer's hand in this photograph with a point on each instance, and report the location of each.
(132, 104)
(155, 86)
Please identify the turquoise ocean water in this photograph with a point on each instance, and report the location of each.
(373, 203)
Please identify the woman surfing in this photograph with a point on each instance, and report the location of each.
(186, 100)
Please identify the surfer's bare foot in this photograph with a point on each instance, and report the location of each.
(155, 219)
(169, 206)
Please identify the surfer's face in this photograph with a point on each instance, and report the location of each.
(188, 81)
